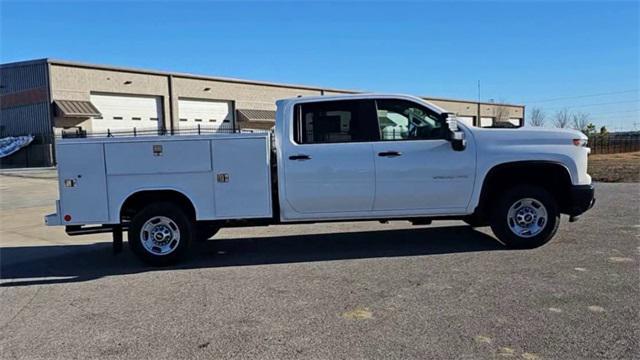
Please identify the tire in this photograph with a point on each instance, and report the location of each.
(475, 221)
(206, 232)
(525, 217)
(168, 225)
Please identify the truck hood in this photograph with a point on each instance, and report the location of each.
(526, 135)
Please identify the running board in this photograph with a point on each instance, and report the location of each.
(74, 230)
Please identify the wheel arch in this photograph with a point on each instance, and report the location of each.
(137, 199)
(552, 175)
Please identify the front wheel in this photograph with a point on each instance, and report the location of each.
(160, 233)
(525, 217)
(206, 231)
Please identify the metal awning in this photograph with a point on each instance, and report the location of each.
(76, 109)
(256, 119)
(256, 115)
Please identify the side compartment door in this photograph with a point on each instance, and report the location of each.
(328, 158)
(242, 179)
(84, 167)
(416, 168)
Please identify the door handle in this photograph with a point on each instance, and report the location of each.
(389, 153)
(301, 157)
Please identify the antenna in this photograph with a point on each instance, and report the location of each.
(478, 90)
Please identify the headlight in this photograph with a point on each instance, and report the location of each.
(580, 142)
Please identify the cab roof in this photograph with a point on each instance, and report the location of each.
(315, 98)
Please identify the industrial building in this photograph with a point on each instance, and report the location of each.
(43, 97)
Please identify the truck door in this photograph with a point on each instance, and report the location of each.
(328, 159)
(416, 168)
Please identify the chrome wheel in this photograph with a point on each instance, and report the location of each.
(160, 235)
(527, 217)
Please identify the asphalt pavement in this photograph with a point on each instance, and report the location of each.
(324, 291)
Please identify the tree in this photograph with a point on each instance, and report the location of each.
(580, 122)
(562, 118)
(537, 117)
(589, 129)
(501, 112)
(604, 131)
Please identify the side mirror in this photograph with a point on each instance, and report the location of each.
(456, 136)
(458, 142)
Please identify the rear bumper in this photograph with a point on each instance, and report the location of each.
(581, 199)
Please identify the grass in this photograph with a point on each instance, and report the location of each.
(624, 167)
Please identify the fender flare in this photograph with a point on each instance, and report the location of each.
(482, 190)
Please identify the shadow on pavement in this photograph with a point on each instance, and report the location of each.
(37, 265)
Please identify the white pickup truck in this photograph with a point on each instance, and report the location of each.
(331, 158)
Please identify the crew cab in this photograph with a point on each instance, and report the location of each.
(329, 158)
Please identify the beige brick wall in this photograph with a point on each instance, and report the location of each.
(491, 110)
(246, 96)
(486, 110)
(460, 108)
(75, 83)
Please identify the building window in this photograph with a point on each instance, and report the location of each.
(136, 118)
(198, 120)
(212, 120)
(117, 118)
(226, 120)
(183, 119)
(153, 119)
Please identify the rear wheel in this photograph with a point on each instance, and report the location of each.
(525, 216)
(160, 233)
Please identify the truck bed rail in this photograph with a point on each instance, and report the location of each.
(194, 130)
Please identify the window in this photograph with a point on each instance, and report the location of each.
(212, 120)
(197, 120)
(136, 118)
(117, 118)
(335, 122)
(406, 120)
(183, 119)
(153, 119)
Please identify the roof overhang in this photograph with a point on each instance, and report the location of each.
(76, 109)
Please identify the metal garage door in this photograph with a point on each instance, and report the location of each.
(206, 113)
(467, 120)
(486, 121)
(125, 112)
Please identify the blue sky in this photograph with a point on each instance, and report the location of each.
(581, 55)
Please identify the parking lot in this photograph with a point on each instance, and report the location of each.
(326, 291)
